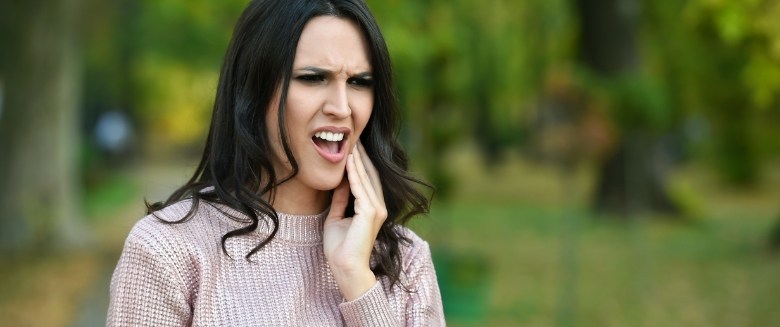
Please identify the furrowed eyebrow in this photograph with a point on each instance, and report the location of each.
(366, 75)
(323, 71)
(316, 70)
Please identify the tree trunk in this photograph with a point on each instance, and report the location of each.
(40, 73)
(774, 237)
(608, 42)
(632, 178)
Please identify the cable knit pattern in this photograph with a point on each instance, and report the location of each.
(177, 275)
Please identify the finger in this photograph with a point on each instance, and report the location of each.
(339, 201)
(373, 174)
(361, 170)
(355, 182)
(363, 227)
(378, 210)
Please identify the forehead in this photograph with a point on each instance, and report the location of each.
(334, 43)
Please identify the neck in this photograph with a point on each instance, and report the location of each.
(293, 198)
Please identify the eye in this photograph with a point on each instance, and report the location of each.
(361, 82)
(311, 78)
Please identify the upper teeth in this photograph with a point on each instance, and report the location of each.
(329, 136)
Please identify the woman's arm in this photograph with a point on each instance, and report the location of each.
(145, 289)
(419, 286)
(423, 306)
(348, 242)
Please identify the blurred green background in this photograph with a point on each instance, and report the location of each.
(597, 163)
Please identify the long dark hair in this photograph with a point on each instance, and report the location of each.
(236, 161)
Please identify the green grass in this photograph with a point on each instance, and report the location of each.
(548, 262)
(540, 272)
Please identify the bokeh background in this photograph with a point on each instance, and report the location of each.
(597, 162)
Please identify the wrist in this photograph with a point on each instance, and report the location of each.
(353, 283)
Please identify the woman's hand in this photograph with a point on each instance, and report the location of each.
(348, 241)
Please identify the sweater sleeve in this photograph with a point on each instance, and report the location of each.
(423, 306)
(145, 289)
(370, 309)
(423, 299)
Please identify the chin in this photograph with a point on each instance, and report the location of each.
(326, 185)
(325, 182)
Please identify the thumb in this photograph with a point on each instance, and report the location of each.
(338, 203)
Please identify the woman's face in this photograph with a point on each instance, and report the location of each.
(329, 102)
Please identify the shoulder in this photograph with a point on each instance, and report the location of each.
(414, 239)
(415, 250)
(174, 227)
(155, 274)
(155, 233)
(159, 243)
(162, 224)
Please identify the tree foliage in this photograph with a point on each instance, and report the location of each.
(721, 60)
(469, 69)
(474, 70)
(159, 60)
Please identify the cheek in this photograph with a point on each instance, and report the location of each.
(363, 113)
(271, 128)
(273, 135)
(272, 132)
(297, 123)
(271, 122)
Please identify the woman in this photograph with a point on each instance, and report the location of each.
(293, 216)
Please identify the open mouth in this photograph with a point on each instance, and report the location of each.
(330, 144)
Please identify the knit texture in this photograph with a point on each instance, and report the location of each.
(177, 275)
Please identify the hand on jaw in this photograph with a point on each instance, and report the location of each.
(348, 241)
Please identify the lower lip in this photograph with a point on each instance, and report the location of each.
(332, 157)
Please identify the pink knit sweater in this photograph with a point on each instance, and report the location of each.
(177, 275)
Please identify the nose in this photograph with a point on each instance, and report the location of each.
(337, 102)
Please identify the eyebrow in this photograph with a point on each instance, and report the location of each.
(318, 70)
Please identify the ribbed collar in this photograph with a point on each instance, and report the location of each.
(306, 229)
(297, 228)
